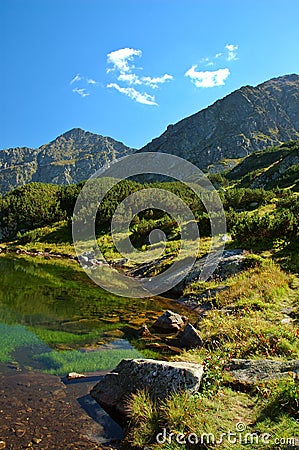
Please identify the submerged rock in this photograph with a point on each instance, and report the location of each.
(169, 321)
(160, 378)
(248, 371)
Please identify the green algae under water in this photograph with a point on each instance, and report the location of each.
(54, 319)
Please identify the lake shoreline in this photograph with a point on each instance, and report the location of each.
(20, 251)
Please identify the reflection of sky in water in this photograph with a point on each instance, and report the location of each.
(117, 344)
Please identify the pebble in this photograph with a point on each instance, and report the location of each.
(286, 321)
(75, 375)
(19, 432)
(2, 445)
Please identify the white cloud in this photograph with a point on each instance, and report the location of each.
(121, 59)
(218, 55)
(153, 82)
(207, 78)
(76, 78)
(82, 82)
(139, 97)
(81, 92)
(91, 81)
(232, 52)
(129, 78)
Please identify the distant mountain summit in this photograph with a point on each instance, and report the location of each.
(248, 119)
(72, 157)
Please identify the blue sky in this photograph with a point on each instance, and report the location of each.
(128, 68)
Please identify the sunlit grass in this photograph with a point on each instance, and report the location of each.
(60, 363)
(14, 337)
(208, 418)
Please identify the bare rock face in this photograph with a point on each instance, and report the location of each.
(160, 378)
(70, 158)
(169, 322)
(191, 337)
(230, 263)
(248, 119)
(246, 371)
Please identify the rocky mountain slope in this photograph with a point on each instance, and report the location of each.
(72, 157)
(248, 119)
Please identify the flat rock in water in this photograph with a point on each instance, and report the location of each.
(160, 378)
(248, 371)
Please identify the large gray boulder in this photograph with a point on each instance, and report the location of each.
(247, 371)
(159, 378)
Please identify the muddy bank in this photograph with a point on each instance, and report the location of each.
(45, 412)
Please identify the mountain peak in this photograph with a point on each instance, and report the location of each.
(70, 158)
(76, 134)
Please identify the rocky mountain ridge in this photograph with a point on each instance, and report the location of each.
(248, 119)
(72, 157)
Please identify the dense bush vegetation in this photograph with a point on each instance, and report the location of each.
(36, 205)
(29, 207)
(271, 167)
(282, 223)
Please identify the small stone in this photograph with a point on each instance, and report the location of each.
(75, 375)
(286, 321)
(20, 432)
(137, 322)
(191, 337)
(169, 321)
(160, 347)
(2, 445)
(83, 258)
(36, 440)
(144, 331)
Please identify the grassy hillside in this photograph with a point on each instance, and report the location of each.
(274, 167)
